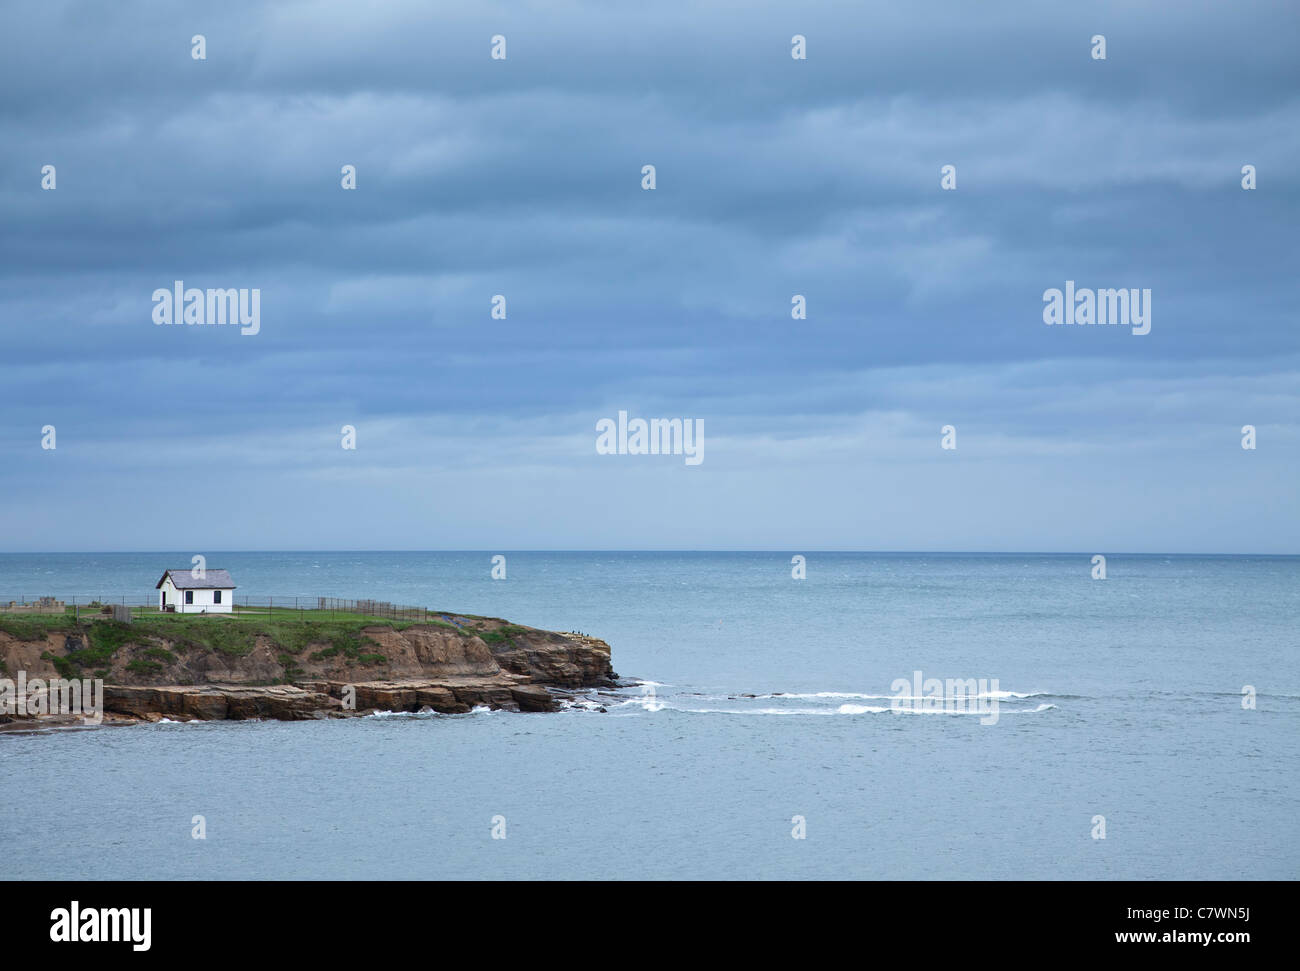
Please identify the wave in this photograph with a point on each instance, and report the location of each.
(871, 709)
(587, 704)
(754, 711)
(630, 701)
(849, 709)
(427, 713)
(868, 697)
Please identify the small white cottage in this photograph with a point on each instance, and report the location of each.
(182, 592)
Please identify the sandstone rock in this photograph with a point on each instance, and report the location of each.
(448, 669)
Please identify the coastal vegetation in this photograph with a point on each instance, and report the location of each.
(235, 635)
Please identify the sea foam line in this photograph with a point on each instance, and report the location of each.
(869, 697)
(847, 709)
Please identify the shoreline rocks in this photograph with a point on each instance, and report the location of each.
(421, 667)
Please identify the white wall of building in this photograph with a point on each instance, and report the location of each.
(204, 600)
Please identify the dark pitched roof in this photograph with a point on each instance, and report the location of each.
(183, 580)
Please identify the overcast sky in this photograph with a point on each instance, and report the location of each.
(775, 177)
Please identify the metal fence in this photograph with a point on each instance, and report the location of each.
(127, 608)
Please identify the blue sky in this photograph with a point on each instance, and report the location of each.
(775, 177)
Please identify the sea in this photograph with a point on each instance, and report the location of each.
(1147, 727)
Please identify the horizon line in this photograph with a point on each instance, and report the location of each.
(775, 552)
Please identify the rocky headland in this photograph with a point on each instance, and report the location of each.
(296, 667)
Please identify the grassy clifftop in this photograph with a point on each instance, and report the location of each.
(330, 634)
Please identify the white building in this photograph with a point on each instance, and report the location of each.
(178, 590)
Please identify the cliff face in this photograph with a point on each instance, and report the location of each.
(447, 667)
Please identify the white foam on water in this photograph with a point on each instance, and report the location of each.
(756, 711)
(979, 704)
(982, 712)
(870, 697)
(584, 704)
(851, 709)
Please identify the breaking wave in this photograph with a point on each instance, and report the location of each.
(816, 703)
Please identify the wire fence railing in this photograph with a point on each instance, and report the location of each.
(129, 608)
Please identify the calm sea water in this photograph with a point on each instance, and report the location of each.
(769, 701)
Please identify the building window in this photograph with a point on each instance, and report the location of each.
(216, 596)
(189, 596)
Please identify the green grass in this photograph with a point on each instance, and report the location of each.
(105, 637)
(65, 667)
(36, 626)
(349, 644)
(295, 636)
(502, 635)
(291, 669)
(291, 632)
(195, 631)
